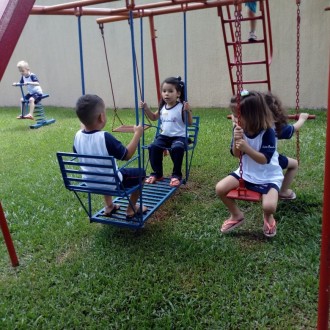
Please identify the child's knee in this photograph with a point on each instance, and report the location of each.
(220, 189)
(269, 207)
(31, 100)
(293, 164)
(178, 145)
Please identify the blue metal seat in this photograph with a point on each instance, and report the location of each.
(192, 138)
(152, 196)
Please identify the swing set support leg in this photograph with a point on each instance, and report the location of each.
(8, 240)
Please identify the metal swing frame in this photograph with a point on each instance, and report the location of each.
(152, 196)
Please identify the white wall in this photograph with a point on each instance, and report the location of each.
(50, 45)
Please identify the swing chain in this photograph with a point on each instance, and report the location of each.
(101, 26)
(298, 77)
(239, 73)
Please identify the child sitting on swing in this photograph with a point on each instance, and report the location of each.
(255, 139)
(172, 135)
(285, 131)
(92, 140)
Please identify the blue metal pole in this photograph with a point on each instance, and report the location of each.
(142, 87)
(81, 57)
(185, 53)
(185, 85)
(131, 23)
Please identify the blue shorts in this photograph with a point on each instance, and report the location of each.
(131, 176)
(283, 161)
(163, 141)
(37, 97)
(260, 188)
(252, 6)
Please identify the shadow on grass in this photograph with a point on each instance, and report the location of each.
(303, 205)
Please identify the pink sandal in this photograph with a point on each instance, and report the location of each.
(153, 179)
(229, 225)
(175, 182)
(269, 230)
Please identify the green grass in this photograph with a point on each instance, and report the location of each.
(178, 272)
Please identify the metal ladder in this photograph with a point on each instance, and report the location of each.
(258, 75)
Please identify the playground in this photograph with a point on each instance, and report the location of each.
(170, 268)
(178, 271)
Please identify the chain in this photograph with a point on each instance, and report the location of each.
(298, 77)
(239, 73)
(101, 26)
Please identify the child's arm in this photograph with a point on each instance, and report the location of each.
(302, 118)
(151, 115)
(32, 83)
(240, 145)
(237, 136)
(266, 151)
(257, 156)
(186, 107)
(131, 147)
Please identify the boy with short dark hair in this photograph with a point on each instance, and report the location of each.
(92, 140)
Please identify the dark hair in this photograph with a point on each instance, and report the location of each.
(178, 85)
(88, 107)
(254, 110)
(279, 113)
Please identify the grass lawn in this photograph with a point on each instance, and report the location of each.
(178, 272)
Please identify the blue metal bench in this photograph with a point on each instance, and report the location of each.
(152, 196)
(192, 137)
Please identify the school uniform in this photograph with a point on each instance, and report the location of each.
(261, 177)
(172, 135)
(101, 143)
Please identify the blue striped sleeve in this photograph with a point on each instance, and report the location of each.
(268, 145)
(115, 148)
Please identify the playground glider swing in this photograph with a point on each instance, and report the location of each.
(89, 182)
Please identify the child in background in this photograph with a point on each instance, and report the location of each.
(256, 140)
(92, 140)
(171, 112)
(34, 90)
(252, 9)
(285, 131)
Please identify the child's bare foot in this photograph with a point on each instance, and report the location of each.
(130, 213)
(111, 209)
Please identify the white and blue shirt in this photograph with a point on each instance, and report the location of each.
(99, 143)
(271, 172)
(32, 89)
(286, 132)
(172, 123)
